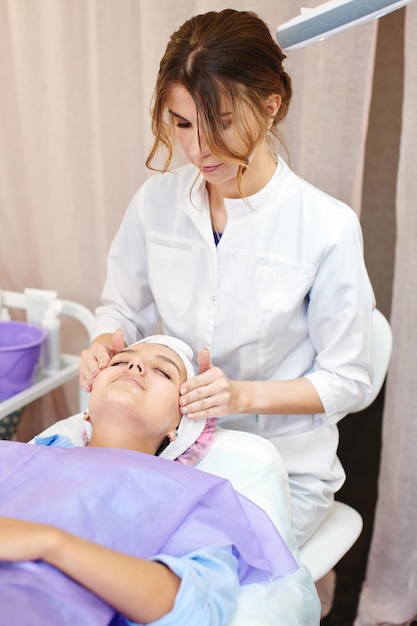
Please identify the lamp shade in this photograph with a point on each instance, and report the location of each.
(330, 18)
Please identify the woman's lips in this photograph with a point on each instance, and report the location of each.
(209, 169)
(133, 379)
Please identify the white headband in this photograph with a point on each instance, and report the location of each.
(188, 430)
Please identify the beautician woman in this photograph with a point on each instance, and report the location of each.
(259, 271)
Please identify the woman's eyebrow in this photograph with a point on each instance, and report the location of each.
(180, 117)
(127, 351)
(177, 115)
(168, 360)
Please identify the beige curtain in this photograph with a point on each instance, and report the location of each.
(389, 595)
(76, 80)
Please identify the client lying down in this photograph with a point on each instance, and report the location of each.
(109, 533)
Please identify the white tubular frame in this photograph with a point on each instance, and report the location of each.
(69, 363)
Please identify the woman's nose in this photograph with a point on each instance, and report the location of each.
(137, 364)
(199, 147)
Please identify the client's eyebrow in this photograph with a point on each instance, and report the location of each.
(158, 356)
(168, 360)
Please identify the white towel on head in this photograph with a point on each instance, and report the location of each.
(177, 345)
(188, 430)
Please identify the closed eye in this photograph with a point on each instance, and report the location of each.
(180, 122)
(183, 125)
(163, 372)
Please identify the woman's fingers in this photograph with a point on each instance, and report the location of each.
(97, 357)
(206, 395)
(203, 359)
(117, 341)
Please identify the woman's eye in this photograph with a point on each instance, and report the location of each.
(163, 372)
(183, 125)
(118, 363)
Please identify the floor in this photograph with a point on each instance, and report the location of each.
(359, 451)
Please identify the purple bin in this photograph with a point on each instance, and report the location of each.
(20, 348)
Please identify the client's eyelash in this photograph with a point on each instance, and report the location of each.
(159, 369)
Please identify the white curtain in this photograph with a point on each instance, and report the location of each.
(76, 81)
(389, 594)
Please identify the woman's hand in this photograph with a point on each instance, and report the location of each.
(210, 394)
(24, 541)
(142, 590)
(98, 356)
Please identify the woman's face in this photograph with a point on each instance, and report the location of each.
(215, 169)
(139, 392)
(193, 141)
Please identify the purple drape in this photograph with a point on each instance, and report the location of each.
(127, 501)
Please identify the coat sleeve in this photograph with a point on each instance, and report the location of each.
(340, 323)
(127, 300)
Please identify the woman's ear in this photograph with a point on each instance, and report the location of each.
(273, 104)
(173, 434)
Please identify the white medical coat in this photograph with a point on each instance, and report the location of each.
(285, 293)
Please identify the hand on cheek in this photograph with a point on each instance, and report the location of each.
(208, 394)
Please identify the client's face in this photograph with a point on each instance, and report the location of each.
(138, 393)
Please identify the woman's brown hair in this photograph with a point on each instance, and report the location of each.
(227, 56)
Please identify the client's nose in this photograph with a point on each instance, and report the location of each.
(136, 362)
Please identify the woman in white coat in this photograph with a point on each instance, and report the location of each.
(259, 271)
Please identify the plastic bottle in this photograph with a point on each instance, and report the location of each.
(51, 350)
(4, 314)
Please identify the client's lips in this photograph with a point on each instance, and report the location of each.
(133, 379)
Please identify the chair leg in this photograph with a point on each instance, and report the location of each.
(325, 589)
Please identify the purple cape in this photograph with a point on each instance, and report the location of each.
(128, 501)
